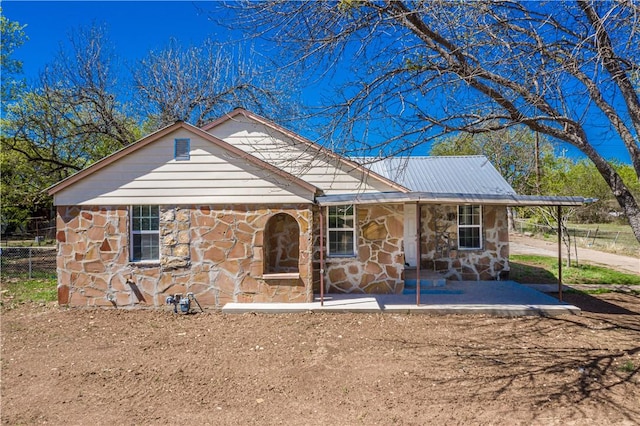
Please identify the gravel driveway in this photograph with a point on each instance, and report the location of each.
(519, 244)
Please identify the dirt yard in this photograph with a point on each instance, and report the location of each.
(81, 367)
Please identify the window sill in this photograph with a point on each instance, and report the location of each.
(281, 276)
(145, 263)
(340, 257)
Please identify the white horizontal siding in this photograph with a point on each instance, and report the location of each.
(212, 175)
(296, 158)
(163, 200)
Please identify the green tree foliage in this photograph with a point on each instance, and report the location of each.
(565, 176)
(13, 167)
(12, 36)
(52, 131)
(511, 151)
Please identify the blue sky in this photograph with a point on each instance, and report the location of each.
(134, 28)
(137, 27)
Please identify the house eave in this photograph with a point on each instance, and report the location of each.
(443, 198)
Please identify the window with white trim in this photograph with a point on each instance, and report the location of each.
(469, 227)
(145, 233)
(341, 230)
(182, 149)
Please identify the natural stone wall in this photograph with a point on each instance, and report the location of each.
(223, 254)
(378, 266)
(439, 248)
(215, 252)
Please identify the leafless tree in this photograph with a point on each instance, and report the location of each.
(198, 83)
(73, 117)
(88, 79)
(420, 69)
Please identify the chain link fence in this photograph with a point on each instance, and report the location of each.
(28, 262)
(36, 238)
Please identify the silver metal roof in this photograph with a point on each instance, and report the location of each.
(443, 198)
(470, 179)
(469, 174)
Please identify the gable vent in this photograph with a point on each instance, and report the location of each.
(182, 149)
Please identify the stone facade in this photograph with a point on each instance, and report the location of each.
(439, 244)
(215, 252)
(255, 253)
(378, 264)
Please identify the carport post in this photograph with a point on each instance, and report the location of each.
(560, 253)
(418, 254)
(321, 258)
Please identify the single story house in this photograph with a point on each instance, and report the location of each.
(244, 210)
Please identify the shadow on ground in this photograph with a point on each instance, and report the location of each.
(589, 303)
(528, 274)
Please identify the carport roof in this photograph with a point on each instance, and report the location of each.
(465, 174)
(467, 179)
(445, 198)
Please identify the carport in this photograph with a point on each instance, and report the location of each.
(420, 199)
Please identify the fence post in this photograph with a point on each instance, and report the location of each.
(30, 260)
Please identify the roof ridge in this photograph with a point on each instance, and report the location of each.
(394, 157)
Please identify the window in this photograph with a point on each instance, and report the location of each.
(341, 230)
(469, 227)
(145, 233)
(182, 149)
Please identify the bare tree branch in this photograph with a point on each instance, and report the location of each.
(419, 69)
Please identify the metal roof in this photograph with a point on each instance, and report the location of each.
(443, 198)
(469, 174)
(469, 179)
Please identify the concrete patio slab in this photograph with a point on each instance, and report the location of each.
(503, 298)
(332, 303)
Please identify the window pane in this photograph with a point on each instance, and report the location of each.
(137, 248)
(145, 235)
(145, 247)
(341, 232)
(475, 215)
(470, 227)
(341, 242)
(465, 215)
(469, 237)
